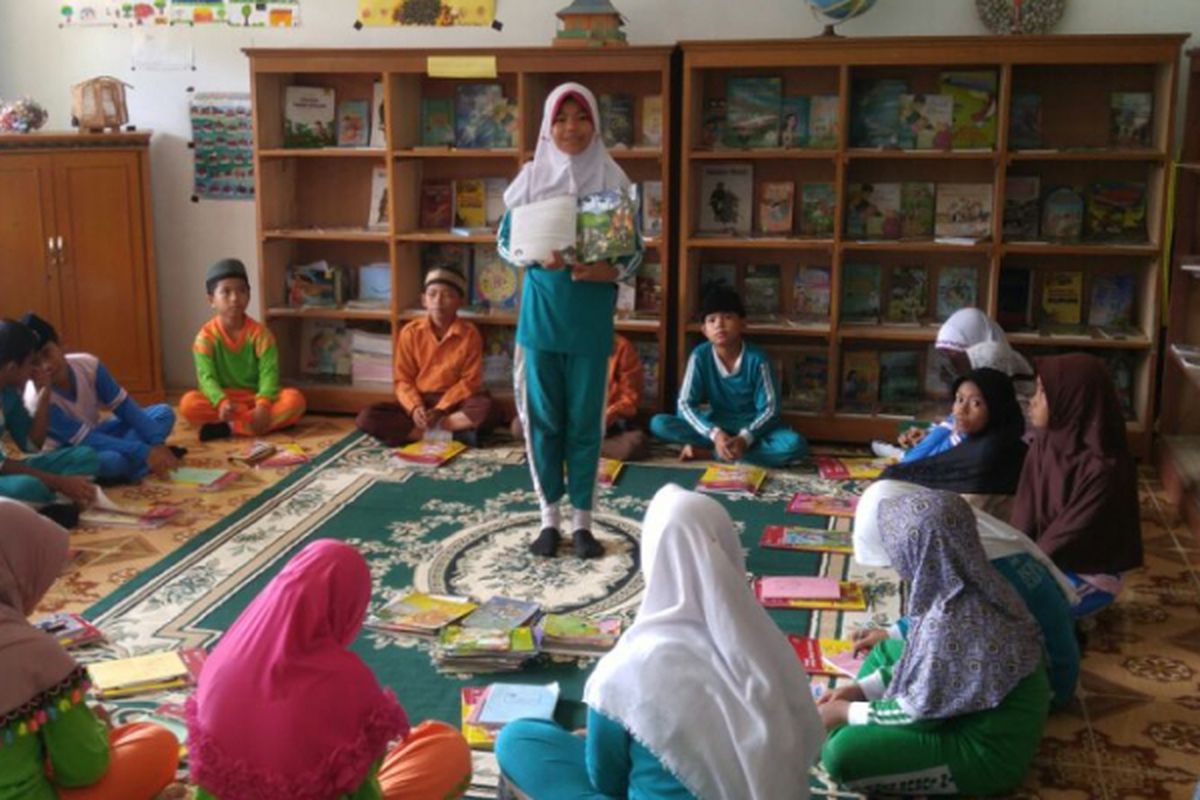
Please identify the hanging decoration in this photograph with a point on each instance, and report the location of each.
(1020, 16)
(223, 140)
(234, 13)
(441, 13)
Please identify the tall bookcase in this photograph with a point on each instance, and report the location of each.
(313, 204)
(1074, 76)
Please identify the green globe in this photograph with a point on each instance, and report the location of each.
(835, 12)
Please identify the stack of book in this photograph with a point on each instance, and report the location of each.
(71, 630)
(487, 709)
(420, 614)
(371, 359)
(495, 637)
(266, 454)
(153, 672)
(574, 635)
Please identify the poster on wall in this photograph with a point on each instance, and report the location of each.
(223, 138)
(234, 13)
(377, 13)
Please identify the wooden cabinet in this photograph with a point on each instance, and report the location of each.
(77, 240)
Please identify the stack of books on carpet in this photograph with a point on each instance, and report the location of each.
(145, 674)
(575, 635)
(485, 778)
(495, 637)
(371, 359)
(487, 709)
(420, 614)
(71, 630)
(806, 592)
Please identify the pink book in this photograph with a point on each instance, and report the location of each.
(845, 662)
(804, 503)
(795, 587)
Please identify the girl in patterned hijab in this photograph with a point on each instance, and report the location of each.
(960, 704)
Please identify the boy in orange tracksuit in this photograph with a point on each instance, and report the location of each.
(438, 371)
(237, 366)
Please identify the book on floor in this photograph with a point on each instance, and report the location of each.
(851, 598)
(104, 512)
(504, 702)
(780, 588)
(70, 630)
(475, 650)
(288, 454)
(203, 478)
(254, 453)
(822, 504)
(477, 736)
(813, 653)
(574, 634)
(152, 672)
(427, 453)
(840, 658)
(420, 614)
(501, 613)
(832, 468)
(798, 537)
(609, 471)
(735, 479)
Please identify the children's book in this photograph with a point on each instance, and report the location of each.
(483, 118)
(823, 128)
(69, 630)
(726, 198)
(794, 112)
(420, 614)
(1111, 303)
(761, 291)
(712, 131)
(811, 294)
(861, 289)
(908, 295)
(776, 206)
(1022, 207)
(818, 202)
(378, 116)
(316, 285)
(899, 381)
(1025, 122)
(170, 669)
(309, 117)
(477, 736)
(499, 343)
(505, 702)
(288, 454)
(873, 211)
(204, 479)
(104, 513)
(353, 123)
(776, 588)
(796, 537)
(1116, 211)
(833, 468)
(975, 102)
(616, 119)
(850, 598)
(1062, 215)
(470, 210)
(926, 121)
(1062, 297)
(1130, 117)
(501, 613)
(652, 120)
(813, 652)
(823, 505)
(806, 379)
(254, 453)
(648, 289)
(652, 208)
(916, 209)
(571, 634)
(940, 374)
(427, 453)
(733, 479)
(609, 471)
(542, 227)
(840, 658)
(752, 112)
(437, 204)
(964, 210)
(437, 122)
(860, 380)
(378, 215)
(648, 354)
(957, 288)
(1014, 299)
(326, 353)
(875, 112)
(607, 225)
(493, 200)
(496, 282)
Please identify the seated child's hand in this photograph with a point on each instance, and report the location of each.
(260, 419)
(77, 489)
(225, 412)
(737, 447)
(598, 272)
(834, 714)
(847, 693)
(433, 417)
(723, 445)
(161, 460)
(556, 261)
(420, 417)
(866, 639)
(911, 437)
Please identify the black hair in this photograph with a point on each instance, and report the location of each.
(17, 342)
(42, 330)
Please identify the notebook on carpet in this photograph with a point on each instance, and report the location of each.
(850, 598)
(734, 479)
(797, 537)
(825, 505)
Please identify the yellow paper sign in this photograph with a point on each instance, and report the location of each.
(461, 66)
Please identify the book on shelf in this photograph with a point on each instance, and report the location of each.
(957, 288)
(1111, 303)
(437, 204)
(861, 290)
(483, 117)
(752, 112)
(648, 283)
(875, 112)
(835, 468)
(714, 275)
(1121, 370)
(316, 285)
(926, 121)
(818, 203)
(69, 630)
(1062, 215)
(152, 672)
(616, 120)
(1062, 297)
(437, 121)
(378, 137)
(353, 123)
(917, 200)
(427, 453)
(798, 537)
(496, 283)
(374, 284)
(499, 343)
(850, 598)
(712, 129)
(326, 352)
(1025, 121)
(873, 211)
(493, 201)
(204, 479)
(648, 355)
(811, 293)
(309, 117)
(908, 295)
(574, 634)
(477, 736)
(606, 225)
(761, 291)
(940, 374)
(963, 210)
(609, 471)
(378, 214)
(776, 588)
(420, 614)
(823, 505)
(501, 613)
(726, 198)
(626, 302)
(1022, 206)
(470, 210)
(652, 120)
(776, 206)
(793, 120)
(860, 380)
(824, 131)
(732, 479)
(812, 653)
(1116, 211)
(652, 208)
(1130, 115)
(806, 378)
(974, 96)
(899, 381)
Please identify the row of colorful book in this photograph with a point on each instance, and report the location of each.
(755, 113)
(1110, 306)
(1100, 211)
(1130, 121)
(325, 285)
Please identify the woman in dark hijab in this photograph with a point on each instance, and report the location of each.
(1078, 496)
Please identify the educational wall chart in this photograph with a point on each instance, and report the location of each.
(442, 13)
(234, 13)
(224, 146)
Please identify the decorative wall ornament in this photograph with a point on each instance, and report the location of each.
(438, 13)
(1020, 16)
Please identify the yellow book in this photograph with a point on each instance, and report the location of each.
(427, 453)
(732, 479)
(609, 470)
(139, 673)
(477, 736)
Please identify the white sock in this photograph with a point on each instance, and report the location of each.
(550, 516)
(581, 519)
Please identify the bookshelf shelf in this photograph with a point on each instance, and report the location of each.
(446, 237)
(638, 325)
(505, 154)
(635, 153)
(1074, 80)
(773, 329)
(373, 153)
(329, 235)
(382, 315)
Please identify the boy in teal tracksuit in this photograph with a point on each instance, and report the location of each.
(734, 379)
(565, 328)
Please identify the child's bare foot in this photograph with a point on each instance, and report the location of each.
(692, 453)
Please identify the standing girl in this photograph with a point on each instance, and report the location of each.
(565, 329)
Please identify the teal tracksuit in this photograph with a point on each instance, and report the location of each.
(64, 461)
(560, 374)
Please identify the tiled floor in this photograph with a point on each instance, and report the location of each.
(1133, 732)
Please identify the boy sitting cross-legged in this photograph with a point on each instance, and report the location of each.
(438, 371)
(237, 366)
(734, 379)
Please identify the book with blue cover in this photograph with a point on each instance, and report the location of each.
(483, 117)
(501, 613)
(752, 112)
(793, 123)
(875, 112)
(957, 287)
(1111, 303)
(505, 702)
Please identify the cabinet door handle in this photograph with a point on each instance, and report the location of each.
(53, 252)
(58, 245)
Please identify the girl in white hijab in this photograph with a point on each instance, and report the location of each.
(701, 698)
(1047, 592)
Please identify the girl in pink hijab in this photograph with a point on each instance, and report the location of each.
(285, 711)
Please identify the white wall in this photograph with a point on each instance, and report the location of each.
(40, 59)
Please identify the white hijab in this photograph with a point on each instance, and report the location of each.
(970, 331)
(998, 537)
(703, 678)
(552, 172)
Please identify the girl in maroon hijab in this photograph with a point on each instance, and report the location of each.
(1078, 495)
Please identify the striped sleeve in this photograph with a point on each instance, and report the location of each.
(888, 712)
(691, 394)
(766, 400)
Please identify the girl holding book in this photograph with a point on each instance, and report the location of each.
(701, 698)
(565, 327)
(52, 744)
(285, 711)
(958, 706)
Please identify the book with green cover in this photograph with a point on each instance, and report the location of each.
(860, 293)
(975, 100)
(818, 202)
(437, 121)
(607, 225)
(761, 291)
(752, 112)
(899, 381)
(916, 209)
(793, 125)
(908, 295)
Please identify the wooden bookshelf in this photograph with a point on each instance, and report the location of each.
(313, 203)
(1073, 75)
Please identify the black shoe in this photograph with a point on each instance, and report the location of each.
(65, 514)
(177, 451)
(546, 544)
(586, 545)
(215, 430)
(469, 437)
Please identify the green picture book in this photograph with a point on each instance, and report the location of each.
(752, 112)
(860, 293)
(607, 225)
(437, 121)
(975, 101)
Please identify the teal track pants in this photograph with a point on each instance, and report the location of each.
(64, 461)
